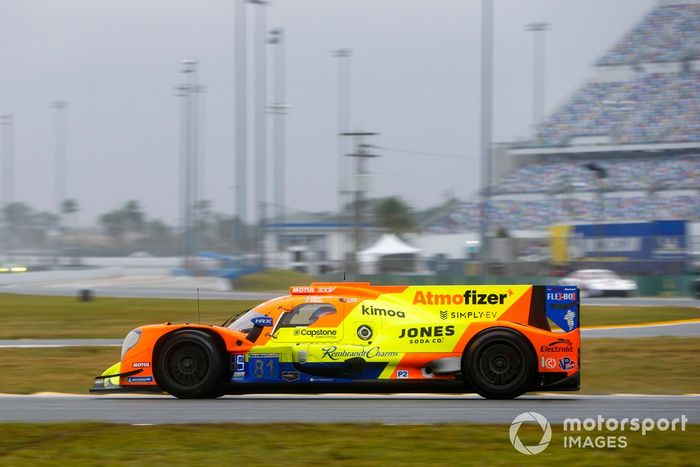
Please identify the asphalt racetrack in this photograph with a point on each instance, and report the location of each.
(326, 408)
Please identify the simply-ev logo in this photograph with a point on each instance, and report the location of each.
(530, 417)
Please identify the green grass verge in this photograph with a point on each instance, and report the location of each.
(652, 365)
(322, 444)
(609, 315)
(26, 316)
(271, 280)
(69, 369)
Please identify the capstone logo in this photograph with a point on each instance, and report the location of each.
(530, 417)
(317, 332)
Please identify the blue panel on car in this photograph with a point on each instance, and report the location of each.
(263, 368)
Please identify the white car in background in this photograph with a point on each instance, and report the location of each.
(600, 283)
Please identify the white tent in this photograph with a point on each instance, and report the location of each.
(389, 245)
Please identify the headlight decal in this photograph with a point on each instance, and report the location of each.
(130, 340)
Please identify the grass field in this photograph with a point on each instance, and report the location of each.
(24, 316)
(322, 444)
(71, 369)
(650, 365)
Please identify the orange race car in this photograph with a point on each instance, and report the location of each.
(499, 340)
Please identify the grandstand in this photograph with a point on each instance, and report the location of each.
(623, 147)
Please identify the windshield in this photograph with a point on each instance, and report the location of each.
(244, 323)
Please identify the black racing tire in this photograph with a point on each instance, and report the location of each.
(189, 365)
(500, 364)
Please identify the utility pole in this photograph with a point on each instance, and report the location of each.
(360, 186)
(486, 126)
(260, 123)
(241, 189)
(279, 109)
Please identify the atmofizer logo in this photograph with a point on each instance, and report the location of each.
(530, 417)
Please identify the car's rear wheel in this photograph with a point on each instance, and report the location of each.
(190, 365)
(499, 365)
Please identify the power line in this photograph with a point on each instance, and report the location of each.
(419, 177)
(425, 153)
(361, 156)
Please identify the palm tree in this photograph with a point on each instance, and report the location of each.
(394, 215)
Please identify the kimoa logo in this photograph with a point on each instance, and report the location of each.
(375, 311)
(469, 297)
(530, 417)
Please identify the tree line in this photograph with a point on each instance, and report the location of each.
(128, 228)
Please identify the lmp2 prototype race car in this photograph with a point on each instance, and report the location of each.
(498, 340)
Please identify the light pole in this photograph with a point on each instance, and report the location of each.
(260, 123)
(241, 126)
(279, 109)
(538, 70)
(486, 126)
(343, 56)
(8, 177)
(189, 154)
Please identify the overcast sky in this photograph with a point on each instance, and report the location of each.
(415, 79)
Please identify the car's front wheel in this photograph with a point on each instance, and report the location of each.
(499, 365)
(189, 365)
